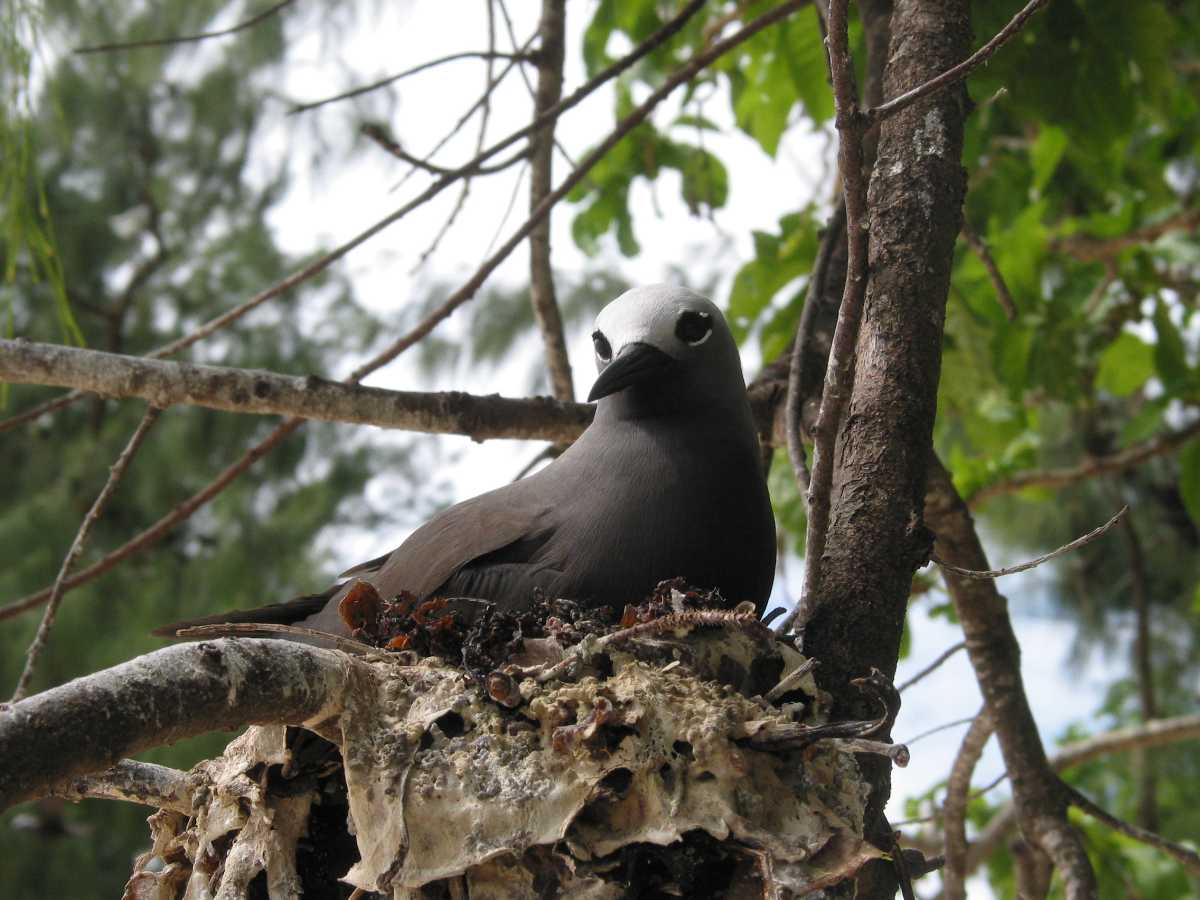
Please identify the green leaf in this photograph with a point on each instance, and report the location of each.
(1189, 479)
(1170, 357)
(1045, 154)
(1125, 365)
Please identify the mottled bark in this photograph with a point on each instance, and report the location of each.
(876, 539)
(88, 724)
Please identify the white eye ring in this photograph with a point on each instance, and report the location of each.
(688, 316)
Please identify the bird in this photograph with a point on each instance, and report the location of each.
(666, 482)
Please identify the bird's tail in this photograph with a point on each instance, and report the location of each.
(288, 612)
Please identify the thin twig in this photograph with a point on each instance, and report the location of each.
(938, 729)
(489, 55)
(631, 121)
(957, 73)
(1093, 249)
(189, 38)
(377, 134)
(1097, 465)
(490, 82)
(163, 526)
(1025, 566)
(933, 666)
(551, 28)
(801, 347)
(85, 529)
(954, 808)
(791, 681)
(1185, 856)
(980, 248)
(839, 373)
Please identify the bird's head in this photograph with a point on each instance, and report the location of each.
(664, 346)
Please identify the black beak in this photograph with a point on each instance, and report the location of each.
(636, 362)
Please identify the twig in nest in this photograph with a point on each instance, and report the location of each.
(1033, 563)
(789, 682)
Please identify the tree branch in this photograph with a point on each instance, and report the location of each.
(1092, 249)
(162, 383)
(995, 655)
(160, 698)
(839, 373)
(1097, 465)
(189, 38)
(1185, 856)
(541, 144)
(933, 666)
(958, 72)
(979, 246)
(954, 809)
(85, 529)
(488, 55)
(132, 782)
(1159, 733)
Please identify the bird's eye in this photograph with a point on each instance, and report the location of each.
(693, 327)
(603, 347)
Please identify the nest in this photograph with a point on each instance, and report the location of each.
(554, 756)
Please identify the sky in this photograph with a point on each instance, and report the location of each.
(332, 200)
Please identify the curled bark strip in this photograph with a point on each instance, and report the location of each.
(158, 699)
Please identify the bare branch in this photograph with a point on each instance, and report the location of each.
(1097, 465)
(552, 29)
(163, 383)
(1033, 563)
(995, 656)
(938, 729)
(1159, 733)
(955, 807)
(798, 392)
(190, 38)
(839, 374)
(1092, 249)
(959, 72)
(132, 782)
(1185, 856)
(377, 134)
(488, 55)
(631, 121)
(160, 698)
(933, 666)
(85, 528)
(980, 248)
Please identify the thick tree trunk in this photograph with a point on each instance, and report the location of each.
(876, 536)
